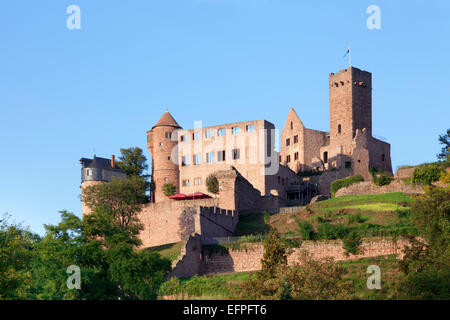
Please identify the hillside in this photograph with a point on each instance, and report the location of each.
(369, 215)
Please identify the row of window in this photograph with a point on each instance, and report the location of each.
(209, 134)
(197, 158)
(187, 182)
(288, 141)
(288, 157)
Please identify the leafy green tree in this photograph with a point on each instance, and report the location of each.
(427, 173)
(426, 263)
(116, 203)
(212, 183)
(169, 189)
(352, 243)
(317, 279)
(274, 255)
(134, 163)
(444, 140)
(16, 254)
(112, 267)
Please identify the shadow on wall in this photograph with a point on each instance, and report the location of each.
(186, 222)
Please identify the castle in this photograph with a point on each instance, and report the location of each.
(252, 176)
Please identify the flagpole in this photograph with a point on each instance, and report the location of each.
(349, 57)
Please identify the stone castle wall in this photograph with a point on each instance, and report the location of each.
(368, 187)
(249, 259)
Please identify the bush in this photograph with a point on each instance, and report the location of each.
(380, 177)
(352, 243)
(212, 183)
(305, 229)
(169, 189)
(427, 173)
(332, 231)
(354, 218)
(341, 183)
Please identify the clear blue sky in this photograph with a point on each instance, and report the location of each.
(64, 92)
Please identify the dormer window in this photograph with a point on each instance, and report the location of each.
(89, 172)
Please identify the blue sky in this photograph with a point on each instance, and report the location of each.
(65, 92)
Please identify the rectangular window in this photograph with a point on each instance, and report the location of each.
(197, 181)
(209, 134)
(210, 157)
(236, 154)
(288, 142)
(185, 183)
(235, 130)
(325, 157)
(296, 156)
(169, 135)
(184, 161)
(295, 139)
(197, 159)
(220, 132)
(183, 138)
(250, 128)
(288, 158)
(221, 155)
(89, 173)
(196, 136)
(348, 165)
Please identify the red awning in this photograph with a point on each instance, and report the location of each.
(178, 197)
(197, 195)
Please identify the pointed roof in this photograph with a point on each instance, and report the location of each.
(167, 120)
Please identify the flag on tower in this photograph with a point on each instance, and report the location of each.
(347, 52)
(349, 56)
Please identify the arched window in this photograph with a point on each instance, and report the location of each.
(292, 125)
(339, 129)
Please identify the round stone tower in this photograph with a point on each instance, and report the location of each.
(162, 142)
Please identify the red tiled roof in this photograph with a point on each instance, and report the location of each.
(167, 120)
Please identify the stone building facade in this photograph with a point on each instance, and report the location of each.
(186, 157)
(350, 143)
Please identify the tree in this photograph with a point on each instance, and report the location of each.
(352, 243)
(316, 279)
(116, 203)
(16, 254)
(427, 259)
(444, 140)
(169, 189)
(212, 183)
(120, 272)
(274, 255)
(134, 163)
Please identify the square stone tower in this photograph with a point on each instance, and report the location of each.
(350, 105)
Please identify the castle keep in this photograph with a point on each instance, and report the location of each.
(350, 143)
(252, 176)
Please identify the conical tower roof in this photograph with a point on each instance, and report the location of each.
(167, 120)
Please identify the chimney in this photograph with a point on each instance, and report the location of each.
(113, 161)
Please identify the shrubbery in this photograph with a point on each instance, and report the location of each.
(341, 183)
(427, 173)
(305, 229)
(380, 177)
